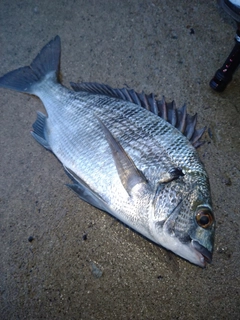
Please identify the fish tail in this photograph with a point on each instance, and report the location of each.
(46, 63)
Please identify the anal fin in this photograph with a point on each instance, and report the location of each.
(38, 132)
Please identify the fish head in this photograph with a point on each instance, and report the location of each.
(184, 223)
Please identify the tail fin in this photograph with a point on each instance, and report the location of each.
(47, 61)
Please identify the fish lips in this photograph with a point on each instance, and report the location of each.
(207, 255)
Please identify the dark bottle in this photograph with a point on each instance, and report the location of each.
(224, 75)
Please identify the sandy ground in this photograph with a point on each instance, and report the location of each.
(81, 263)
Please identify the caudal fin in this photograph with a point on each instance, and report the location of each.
(46, 62)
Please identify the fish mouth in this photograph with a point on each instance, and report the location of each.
(206, 254)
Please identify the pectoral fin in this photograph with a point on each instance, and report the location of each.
(127, 171)
(85, 192)
(171, 175)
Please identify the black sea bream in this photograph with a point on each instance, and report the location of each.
(126, 153)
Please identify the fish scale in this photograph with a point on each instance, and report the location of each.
(122, 157)
(54, 111)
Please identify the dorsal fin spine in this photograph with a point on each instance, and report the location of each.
(177, 117)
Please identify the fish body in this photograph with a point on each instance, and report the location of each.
(123, 158)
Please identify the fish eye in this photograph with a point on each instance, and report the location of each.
(204, 218)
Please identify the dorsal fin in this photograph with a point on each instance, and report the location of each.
(178, 117)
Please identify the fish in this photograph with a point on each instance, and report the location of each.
(126, 153)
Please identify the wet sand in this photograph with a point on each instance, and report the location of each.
(62, 258)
